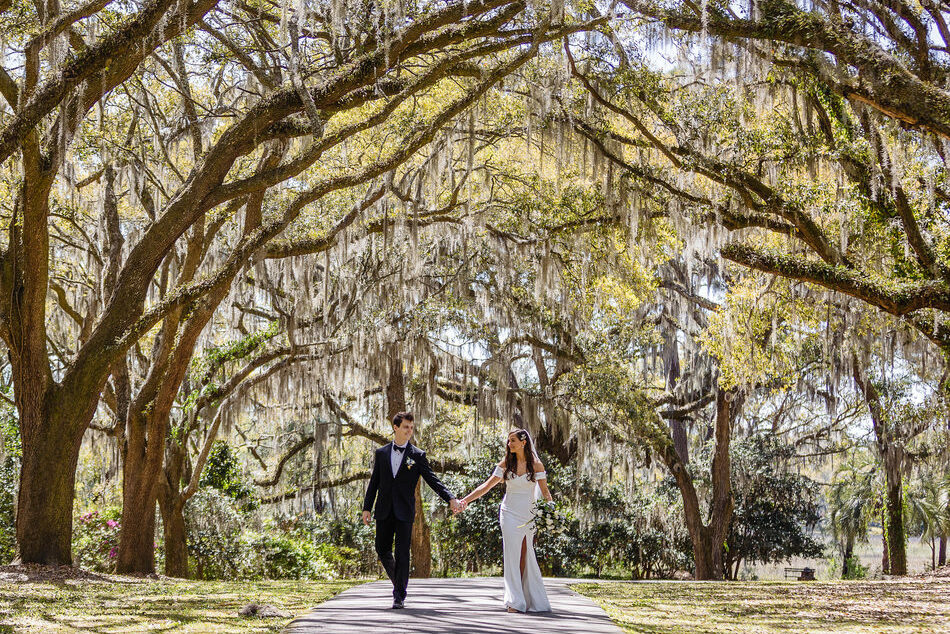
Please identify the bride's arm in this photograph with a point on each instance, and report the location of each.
(482, 489)
(543, 482)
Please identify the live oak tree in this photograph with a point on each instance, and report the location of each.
(265, 116)
(816, 136)
(170, 163)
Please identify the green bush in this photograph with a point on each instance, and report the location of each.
(9, 484)
(624, 535)
(287, 556)
(347, 545)
(635, 535)
(226, 542)
(214, 523)
(856, 570)
(223, 472)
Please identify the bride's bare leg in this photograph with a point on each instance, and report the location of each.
(524, 554)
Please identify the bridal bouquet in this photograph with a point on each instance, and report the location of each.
(550, 517)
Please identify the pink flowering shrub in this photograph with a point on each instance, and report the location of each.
(96, 539)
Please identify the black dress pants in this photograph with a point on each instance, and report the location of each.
(389, 529)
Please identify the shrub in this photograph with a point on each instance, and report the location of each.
(634, 535)
(776, 509)
(347, 545)
(9, 484)
(214, 523)
(223, 472)
(96, 539)
(855, 569)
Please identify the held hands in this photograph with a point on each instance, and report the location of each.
(457, 505)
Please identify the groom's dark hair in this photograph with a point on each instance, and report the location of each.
(401, 416)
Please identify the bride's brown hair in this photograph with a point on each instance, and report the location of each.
(511, 460)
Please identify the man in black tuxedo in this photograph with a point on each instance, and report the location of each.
(396, 470)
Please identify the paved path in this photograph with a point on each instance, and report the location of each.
(456, 606)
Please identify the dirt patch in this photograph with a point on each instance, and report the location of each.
(36, 573)
(939, 573)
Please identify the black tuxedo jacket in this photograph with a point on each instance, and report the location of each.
(397, 495)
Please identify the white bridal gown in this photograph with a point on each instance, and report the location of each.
(523, 593)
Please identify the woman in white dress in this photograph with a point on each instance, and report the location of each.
(524, 476)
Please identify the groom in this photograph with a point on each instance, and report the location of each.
(396, 470)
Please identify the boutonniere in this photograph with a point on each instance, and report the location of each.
(409, 463)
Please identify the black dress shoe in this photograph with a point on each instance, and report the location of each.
(398, 605)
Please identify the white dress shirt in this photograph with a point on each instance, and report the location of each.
(396, 457)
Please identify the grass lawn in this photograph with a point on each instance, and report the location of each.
(766, 607)
(118, 604)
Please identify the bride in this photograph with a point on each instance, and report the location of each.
(523, 475)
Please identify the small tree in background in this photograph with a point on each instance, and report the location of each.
(853, 499)
(776, 509)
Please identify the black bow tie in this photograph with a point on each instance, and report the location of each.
(398, 448)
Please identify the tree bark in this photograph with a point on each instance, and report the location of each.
(44, 519)
(139, 480)
(896, 539)
(708, 538)
(48, 414)
(892, 454)
(421, 547)
(671, 364)
(942, 553)
(176, 544)
(421, 540)
(172, 506)
(680, 440)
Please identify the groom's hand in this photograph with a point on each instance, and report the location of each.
(366, 517)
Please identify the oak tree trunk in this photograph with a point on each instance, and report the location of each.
(44, 519)
(172, 506)
(421, 542)
(175, 541)
(139, 496)
(896, 539)
(51, 418)
(708, 539)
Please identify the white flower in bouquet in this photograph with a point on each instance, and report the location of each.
(548, 517)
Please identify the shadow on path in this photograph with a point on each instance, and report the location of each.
(459, 606)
